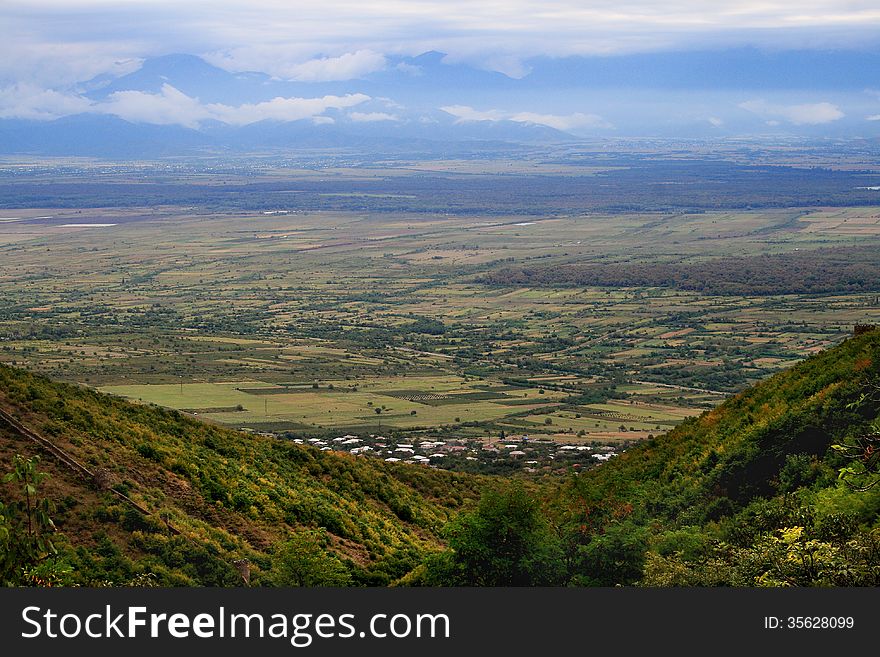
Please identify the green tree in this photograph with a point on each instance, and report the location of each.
(617, 556)
(303, 560)
(505, 542)
(26, 526)
(862, 453)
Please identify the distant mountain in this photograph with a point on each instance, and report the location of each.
(373, 121)
(187, 73)
(431, 74)
(407, 79)
(707, 94)
(98, 135)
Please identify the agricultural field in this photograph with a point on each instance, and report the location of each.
(426, 402)
(375, 320)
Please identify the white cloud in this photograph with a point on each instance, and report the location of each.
(388, 102)
(464, 113)
(168, 107)
(25, 56)
(64, 38)
(370, 117)
(28, 101)
(345, 67)
(562, 122)
(715, 121)
(409, 69)
(805, 114)
(173, 107)
(511, 65)
(873, 117)
(288, 63)
(264, 57)
(283, 109)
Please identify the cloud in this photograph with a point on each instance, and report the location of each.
(283, 109)
(715, 121)
(389, 102)
(345, 67)
(806, 114)
(511, 65)
(409, 69)
(873, 117)
(562, 122)
(168, 107)
(28, 101)
(333, 38)
(369, 117)
(173, 107)
(25, 56)
(464, 113)
(287, 63)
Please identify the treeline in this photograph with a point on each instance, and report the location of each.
(822, 271)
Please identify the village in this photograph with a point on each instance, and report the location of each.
(505, 454)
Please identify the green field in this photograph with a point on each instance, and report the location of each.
(391, 310)
(250, 403)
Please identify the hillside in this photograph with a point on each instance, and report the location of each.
(747, 494)
(213, 496)
(714, 464)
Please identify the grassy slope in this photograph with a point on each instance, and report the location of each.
(714, 464)
(231, 495)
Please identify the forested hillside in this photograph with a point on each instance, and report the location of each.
(213, 497)
(775, 487)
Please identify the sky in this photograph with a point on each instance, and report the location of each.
(51, 46)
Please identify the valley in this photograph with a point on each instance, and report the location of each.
(362, 361)
(420, 324)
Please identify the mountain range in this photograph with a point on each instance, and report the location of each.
(181, 104)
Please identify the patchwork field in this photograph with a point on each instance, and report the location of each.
(431, 402)
(340, 320)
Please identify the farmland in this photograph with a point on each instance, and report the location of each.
(371, 311)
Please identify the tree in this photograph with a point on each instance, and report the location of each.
(26, 526)
(617, 556)
(505, 542)
(862, 471)
(303, 560)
